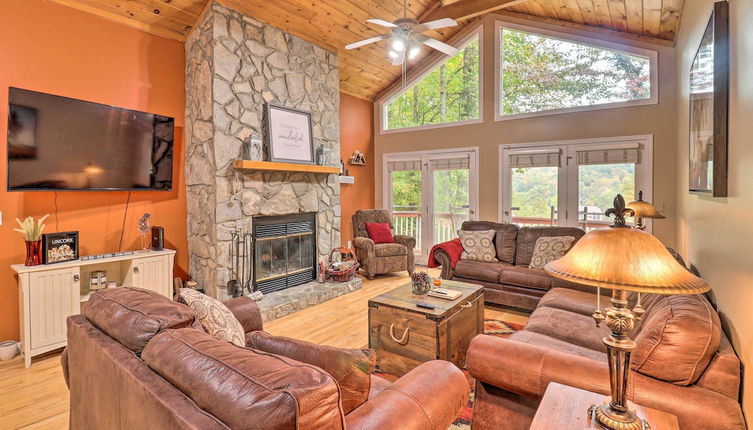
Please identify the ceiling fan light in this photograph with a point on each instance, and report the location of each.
(413, 52)
(392, 54)
(398, 45)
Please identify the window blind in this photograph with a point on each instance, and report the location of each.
(461, 162)
(608, 156)
(403, 165)
(535, 159)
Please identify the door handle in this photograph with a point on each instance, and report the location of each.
(135, 270)
(76, 278)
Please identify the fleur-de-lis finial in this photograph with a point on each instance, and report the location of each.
(619, 211)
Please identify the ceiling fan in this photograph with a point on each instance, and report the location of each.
(406, 37)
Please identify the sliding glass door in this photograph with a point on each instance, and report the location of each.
(431, 194)
(571, 183)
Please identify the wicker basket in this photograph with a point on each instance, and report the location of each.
(343, 275)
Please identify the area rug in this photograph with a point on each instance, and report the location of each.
(492, 327)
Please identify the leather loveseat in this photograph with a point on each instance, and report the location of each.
(137, 360)
(510, 281)
(684, 364)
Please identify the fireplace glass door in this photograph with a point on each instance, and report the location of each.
(284, 250)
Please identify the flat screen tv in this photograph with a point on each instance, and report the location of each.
(62, 144)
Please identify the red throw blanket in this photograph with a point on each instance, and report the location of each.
(453, 248)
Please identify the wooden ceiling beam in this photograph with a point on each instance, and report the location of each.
(468, 9)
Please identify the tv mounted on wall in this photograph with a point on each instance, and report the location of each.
(62, 144)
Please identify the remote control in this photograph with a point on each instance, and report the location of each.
(425, 305)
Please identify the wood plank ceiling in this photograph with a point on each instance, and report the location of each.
(332, 24)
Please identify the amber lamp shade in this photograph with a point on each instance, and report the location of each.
(625, 259)
(644, 209)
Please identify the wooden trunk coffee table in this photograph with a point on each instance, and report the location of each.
(405, 335)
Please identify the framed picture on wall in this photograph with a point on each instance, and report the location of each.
(709, 96)
(291, 137)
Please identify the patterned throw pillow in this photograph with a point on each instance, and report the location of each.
(478, 245)
(548, 249)
(215, 317)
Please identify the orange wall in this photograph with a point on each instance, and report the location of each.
(56, 49)
(356, 132)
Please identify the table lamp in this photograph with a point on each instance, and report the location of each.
(622, 259)
(643, 209)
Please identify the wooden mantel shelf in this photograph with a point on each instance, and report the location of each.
(285, 167)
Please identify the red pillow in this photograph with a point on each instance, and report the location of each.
(380, 232)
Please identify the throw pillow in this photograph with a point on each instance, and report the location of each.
(478, 245)
(214, 316)
(548, 249)
(380, 232)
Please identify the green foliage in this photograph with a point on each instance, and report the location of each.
(543, 73)
(598, 184)
(534, 189)
(406, 191)
(449, 93)
(451, 188)
(451, 191)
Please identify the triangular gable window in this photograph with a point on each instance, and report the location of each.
(447, 94)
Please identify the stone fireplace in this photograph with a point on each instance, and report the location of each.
(235, 65)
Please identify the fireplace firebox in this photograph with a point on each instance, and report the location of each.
(284, 251)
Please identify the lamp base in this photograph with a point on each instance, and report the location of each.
(603, 417)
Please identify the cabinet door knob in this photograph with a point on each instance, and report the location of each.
(135, 270)
(76, 278)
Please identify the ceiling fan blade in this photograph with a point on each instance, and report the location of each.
(440, 46)
(367, 41)
(435, 25)
(381, 22)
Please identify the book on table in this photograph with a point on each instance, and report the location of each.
(444, 293)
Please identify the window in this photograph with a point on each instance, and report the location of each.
(448, 94)
(572, 183)
(543, 73)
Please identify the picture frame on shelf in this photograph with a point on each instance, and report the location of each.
(291, 137)
(709, 98)
(60, 247)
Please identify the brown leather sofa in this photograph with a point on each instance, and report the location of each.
(684, 363)
(137, 360)
(381, 258)
(509, 282)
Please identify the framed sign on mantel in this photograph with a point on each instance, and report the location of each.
(291, 137)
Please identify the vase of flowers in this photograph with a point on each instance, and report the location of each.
(32, 231)
(421, 282)
(144, 227)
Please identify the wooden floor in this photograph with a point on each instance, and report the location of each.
(37, 398)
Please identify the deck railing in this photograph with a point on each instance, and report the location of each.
(408, 222)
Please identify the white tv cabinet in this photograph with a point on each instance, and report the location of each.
(50, 293)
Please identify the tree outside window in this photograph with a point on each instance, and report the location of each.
(450, 93)
(541, 73)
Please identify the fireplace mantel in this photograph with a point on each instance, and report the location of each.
(284, 167)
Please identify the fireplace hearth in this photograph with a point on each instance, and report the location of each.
(284, 251)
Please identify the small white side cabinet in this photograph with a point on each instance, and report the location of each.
(48, 294)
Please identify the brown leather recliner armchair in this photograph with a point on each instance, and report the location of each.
(684, 363)
(136, 359)
(377, 259)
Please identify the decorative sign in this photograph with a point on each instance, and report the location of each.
(59, 247)
(291, 137)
